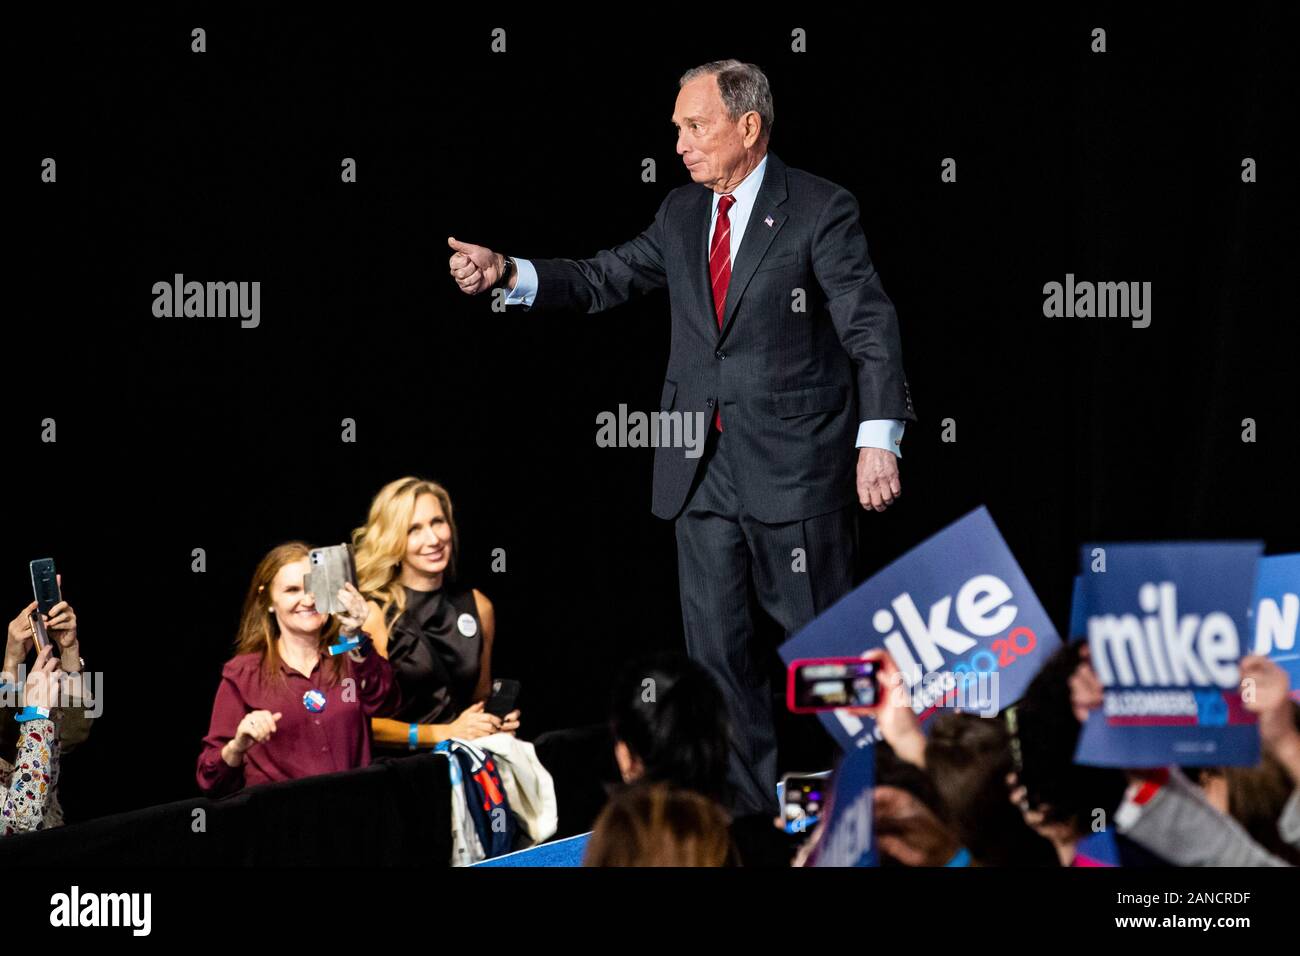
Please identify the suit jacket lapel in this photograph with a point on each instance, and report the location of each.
(697, 252)
(758, 237)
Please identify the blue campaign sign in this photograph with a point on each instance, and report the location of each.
(1078, 622)
(1277, 613)
(957, 616)
(1167, 625)
(849, 835)
(1097, 849)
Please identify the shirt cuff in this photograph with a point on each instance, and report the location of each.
(886, 433)
(525, 284)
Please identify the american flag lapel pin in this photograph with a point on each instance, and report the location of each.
(768, 220)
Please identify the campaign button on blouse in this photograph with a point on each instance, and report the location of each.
(467, 625)
(314, 701)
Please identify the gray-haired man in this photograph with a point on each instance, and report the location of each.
(783, 336)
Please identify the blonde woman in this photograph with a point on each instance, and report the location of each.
(286, 707)
(436, 636)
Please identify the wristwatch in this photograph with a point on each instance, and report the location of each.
(508, 269)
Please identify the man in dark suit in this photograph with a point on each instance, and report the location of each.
(784, 338)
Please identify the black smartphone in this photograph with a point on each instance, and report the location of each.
(504, 695)
(45, 584)
(330, 568)
(1012, 716)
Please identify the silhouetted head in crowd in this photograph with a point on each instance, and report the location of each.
(968, 758)
(1049, 734)
(655, 824)
(669, 723)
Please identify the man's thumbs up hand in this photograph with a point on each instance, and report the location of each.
(475, 268)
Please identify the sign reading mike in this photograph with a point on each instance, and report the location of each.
(957, 616)
(1167, 626)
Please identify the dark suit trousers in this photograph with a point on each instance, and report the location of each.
(728, 562)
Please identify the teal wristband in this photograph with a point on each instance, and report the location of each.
(347, 642)
(960, 858)
(413, 737)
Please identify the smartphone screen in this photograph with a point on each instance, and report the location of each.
(804, 797)
(830, 684)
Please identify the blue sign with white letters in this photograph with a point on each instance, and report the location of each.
(1277, 614)
(957, 616)
(1167, 625)
(1078, 622)
(849, 836)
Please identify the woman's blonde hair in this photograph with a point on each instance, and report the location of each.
(258, 626)
(380, 544)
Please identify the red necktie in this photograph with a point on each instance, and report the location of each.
(720, 271)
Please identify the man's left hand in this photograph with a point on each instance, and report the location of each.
(877, 478)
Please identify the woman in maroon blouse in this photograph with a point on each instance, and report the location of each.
(286, 708)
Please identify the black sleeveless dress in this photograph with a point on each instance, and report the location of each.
(434, 649)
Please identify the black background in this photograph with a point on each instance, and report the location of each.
(175, 434)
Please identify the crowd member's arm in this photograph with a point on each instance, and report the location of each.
(1266, 690)
(893, 713)
(487, 615)
(36, 763)
(74, 720)
(18, 642)
(471, 723)
(377, 690)
(1288, 823)
(233, 731)
(61, 623)
(1168, 815)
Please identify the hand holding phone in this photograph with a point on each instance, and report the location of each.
(894, 715)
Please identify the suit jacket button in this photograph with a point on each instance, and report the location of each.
(719, 354)
(709, 403)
